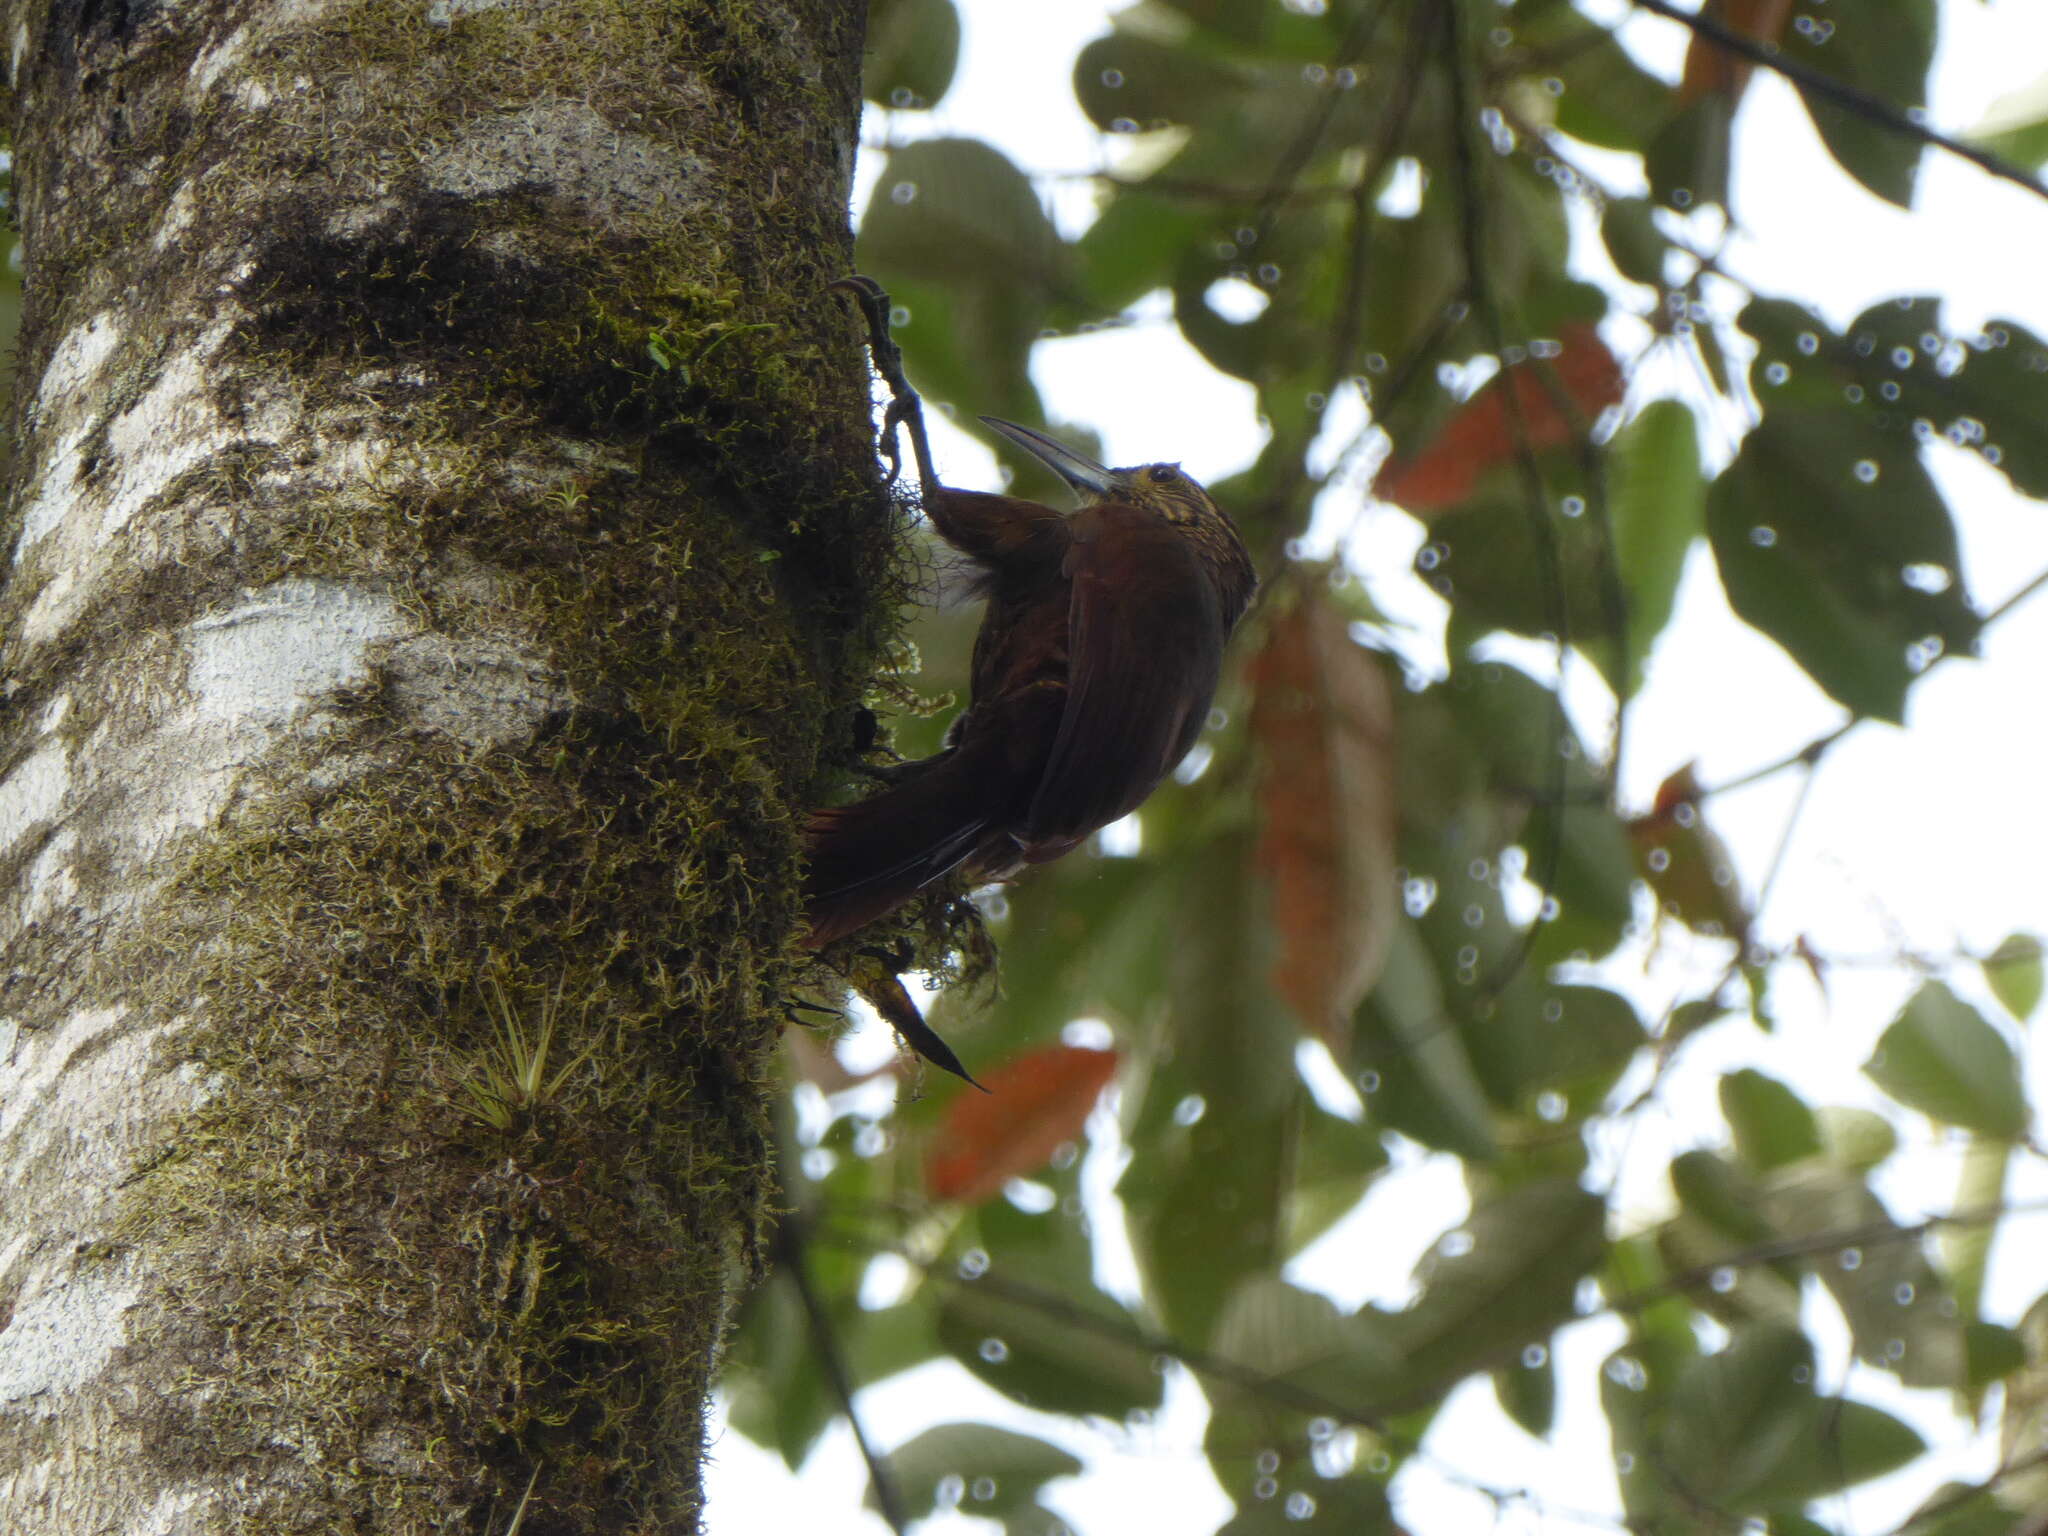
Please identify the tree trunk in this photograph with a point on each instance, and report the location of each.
(446, 541)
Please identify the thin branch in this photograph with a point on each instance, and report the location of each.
(1198, 190)
(1357, 39)
(1868, 1235)
(1871, 108)
(1274, 1389)
(2014, 601)
(1534, 498)
(788, 1245)
(1808, 756)
(1777, 865)
(1924, 1518)
(1364, 208)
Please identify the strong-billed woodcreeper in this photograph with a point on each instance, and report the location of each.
(1093, 670)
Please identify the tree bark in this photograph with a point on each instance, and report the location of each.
(445, 540)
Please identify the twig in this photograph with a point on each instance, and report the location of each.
(1536, 512)
(788, 1245)
(2014, 601)
(1868, 1235)
(1364, 205)
(1274, 1389)
(1356, 40)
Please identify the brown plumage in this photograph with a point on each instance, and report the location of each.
(1093, 670)
(1098, 654)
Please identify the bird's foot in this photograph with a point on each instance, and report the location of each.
(906, 408)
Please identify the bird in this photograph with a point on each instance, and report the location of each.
(1098, 653)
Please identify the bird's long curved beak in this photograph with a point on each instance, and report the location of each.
(1077, 469)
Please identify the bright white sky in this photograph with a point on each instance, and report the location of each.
(1928, 840)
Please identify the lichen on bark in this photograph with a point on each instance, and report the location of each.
(448, 552)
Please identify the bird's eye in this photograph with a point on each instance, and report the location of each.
(1163, 472)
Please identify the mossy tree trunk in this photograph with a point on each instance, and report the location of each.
(445, 544)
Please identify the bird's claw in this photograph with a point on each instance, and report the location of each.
(905, 409)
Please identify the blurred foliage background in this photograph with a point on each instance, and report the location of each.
(1377, 211)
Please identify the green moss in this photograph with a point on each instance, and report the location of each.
(647, 429)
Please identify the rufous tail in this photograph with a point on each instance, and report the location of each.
(869, 858)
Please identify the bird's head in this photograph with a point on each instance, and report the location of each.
(1162, 488)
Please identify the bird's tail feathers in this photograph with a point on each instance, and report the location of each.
(869, 858)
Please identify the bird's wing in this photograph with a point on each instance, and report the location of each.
(1145, 642)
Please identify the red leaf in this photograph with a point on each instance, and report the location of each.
(1685, 863)
(1680, 787)
(1322, 715)
(1481, 433)
(1033, 1104)
(1711, 68)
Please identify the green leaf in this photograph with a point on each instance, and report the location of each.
(958, 210)
(1505, 1280)
(1733, 1417)
(1720, 1228)
(1772, 1125)
(1960, 1509)
(1966, 1246)
(1849, 1443)
(1995, 1352)
(1518, 727)
(1856, 1140)
(1303, 1504)
(2013, 972)
(955, 232)
(1686, 160)
(1720, 1194)
(1820, 528)
(1000, 1470)
(1137, 245)
(1528, 1391)
(1422, 1080)
(1885, 57)
(1259, 1439)
(778, 1396)
(1984, 391)
(1128, 78)
(1087, 936)
(2015, 125)
(1025, 1315)
(1942, 1058)
(1208, 1208)
(1901, 1317)
(1656, 501)
(1298, 1337)
(1485, 556)
(1338, 1162)
(1599, 93)
(1052, 1346)
(913, 49)
(1637, 246)
(1745, 1431)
